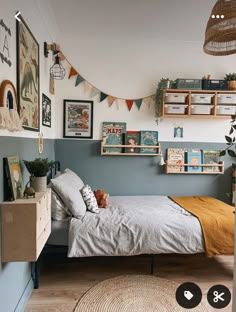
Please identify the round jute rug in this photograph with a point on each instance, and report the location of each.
(133, 293)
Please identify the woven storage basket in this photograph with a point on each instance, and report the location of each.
(39, 184)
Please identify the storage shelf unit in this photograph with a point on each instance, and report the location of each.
(220, 165)
(198, 103)
(157, 147)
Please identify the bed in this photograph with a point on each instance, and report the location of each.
(134, 225)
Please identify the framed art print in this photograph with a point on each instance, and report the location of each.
(78, 119)
(46, 111)
(13, 176)
(27, 76)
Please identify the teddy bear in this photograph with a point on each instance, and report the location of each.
(102, 198)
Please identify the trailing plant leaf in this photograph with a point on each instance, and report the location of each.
(222, 153)
(231, 153)
(228, 139)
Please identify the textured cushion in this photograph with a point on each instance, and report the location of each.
(59, 209)
(68, 186)
(90, 199)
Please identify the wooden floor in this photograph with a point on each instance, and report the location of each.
(63, 284)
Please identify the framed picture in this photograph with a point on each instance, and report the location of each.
(46, 111)
(13, 177)
(178, 132)
(27, 76)
(78, 119)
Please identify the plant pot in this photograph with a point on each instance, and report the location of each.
(39, 184)
(231, 84)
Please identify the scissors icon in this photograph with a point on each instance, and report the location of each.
(218, 296)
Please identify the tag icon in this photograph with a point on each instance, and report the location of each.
(188, 295)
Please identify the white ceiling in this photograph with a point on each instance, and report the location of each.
(165, 19)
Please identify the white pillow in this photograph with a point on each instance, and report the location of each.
(68, 186)
(59, 211)
(90, 199)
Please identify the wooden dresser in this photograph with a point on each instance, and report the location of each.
(26, 225)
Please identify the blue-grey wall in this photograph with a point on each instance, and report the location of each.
(15, 278)
(133, 175)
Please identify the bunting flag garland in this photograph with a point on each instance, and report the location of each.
(138, 103)
(79, 79)
(87, 87)
(110, 100)
(103, 96)
(73, 72)
(129, 104)
(92, 91)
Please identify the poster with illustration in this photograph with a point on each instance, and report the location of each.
(27, 76)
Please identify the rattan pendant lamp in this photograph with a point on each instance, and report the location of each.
(220, 35)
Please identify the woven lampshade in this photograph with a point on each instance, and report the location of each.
(220, 36)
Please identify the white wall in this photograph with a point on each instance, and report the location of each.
(43, 29)
(125, 49)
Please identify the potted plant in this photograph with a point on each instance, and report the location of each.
(38, 169)
(231, 81)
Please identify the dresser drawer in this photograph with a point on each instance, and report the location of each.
(42, 238)
(43, 214)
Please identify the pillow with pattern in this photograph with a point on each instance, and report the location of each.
(90, 199)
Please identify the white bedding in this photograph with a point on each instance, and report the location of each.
(134, 225)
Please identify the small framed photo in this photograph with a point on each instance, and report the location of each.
(178, 132)
(46, 111)
(78, 119)
(13, 177)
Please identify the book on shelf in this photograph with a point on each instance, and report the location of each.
(175, 156)
(194, 158)
(112, 134)
(132, 138)
(149, 138)
(211, 157)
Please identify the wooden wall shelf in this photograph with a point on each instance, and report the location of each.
(189, 108)
(104, 146)
(220, 165)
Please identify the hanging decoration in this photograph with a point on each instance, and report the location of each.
(93, 91)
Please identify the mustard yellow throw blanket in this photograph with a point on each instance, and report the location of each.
(217, 222)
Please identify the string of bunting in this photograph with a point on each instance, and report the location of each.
(93, 91)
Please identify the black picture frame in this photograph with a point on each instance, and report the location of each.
(28, 86)
(46, 111)
(78, 119)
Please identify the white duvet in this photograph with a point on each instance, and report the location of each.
(134, 225)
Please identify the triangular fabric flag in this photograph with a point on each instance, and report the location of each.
(138, 103)
(147, 101)
(87, 87)
(79, 79)
(103, 96)
(129, 104)
(94, 92)
(110, 100)
(73, 72)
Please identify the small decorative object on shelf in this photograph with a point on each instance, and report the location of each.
(231, 81)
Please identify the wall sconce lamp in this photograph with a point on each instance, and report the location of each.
(57, 71)
(220, 35)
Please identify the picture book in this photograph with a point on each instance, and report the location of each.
(148, 138)
(175, 156)
(194, 157)
(112, 134)
(132, 138)
(211, 157)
